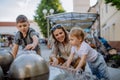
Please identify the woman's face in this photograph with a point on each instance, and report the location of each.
(59, 34)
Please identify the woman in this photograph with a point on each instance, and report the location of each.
(61, 47)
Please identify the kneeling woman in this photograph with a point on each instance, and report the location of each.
(61, 47)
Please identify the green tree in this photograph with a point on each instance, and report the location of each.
(40, 18)
(114, 3)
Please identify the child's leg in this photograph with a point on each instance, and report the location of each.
(103, 70)
(99, 68)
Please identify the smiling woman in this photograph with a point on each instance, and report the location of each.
(61, 47)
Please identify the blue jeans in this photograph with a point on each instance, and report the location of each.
(99, 68)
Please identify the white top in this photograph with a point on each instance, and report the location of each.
(85, 49)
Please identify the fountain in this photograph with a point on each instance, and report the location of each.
(6, 59)
(29, 66)
(1, 74)
(57, 73)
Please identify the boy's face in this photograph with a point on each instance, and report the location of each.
(23, 27)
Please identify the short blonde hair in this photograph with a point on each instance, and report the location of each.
(77, 32)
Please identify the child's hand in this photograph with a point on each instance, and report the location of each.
(71, 70)
(55, 62)
(64, 66)
(30, 47)
(74, 70)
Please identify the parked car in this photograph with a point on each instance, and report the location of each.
(43, 41)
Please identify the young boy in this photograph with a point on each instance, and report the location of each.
(26, 36)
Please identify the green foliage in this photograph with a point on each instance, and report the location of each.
(40, 18)
(116, 57)
(2, 40)
(114, 3)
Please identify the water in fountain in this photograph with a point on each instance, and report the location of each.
(61, 74)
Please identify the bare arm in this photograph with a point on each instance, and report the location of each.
(53, 58)
(35, 41)
(34, 44)
(82, 62)
(15, 50)
(54, 52)
(69, 60)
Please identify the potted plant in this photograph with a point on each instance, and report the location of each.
(116, 59)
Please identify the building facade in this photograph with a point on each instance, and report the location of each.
(107, 25)
(81, 6)
(108, 22)
(10, 28)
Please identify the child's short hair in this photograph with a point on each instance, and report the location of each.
(21, 18)
(77, 32)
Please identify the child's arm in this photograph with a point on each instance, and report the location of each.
(35, 41)
(34, 44)
(15, 50)
(69, 60)
(82, 62)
